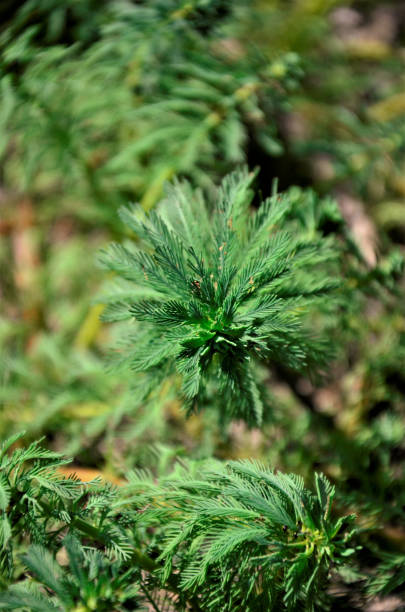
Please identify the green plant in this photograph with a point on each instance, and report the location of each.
(35, 495)
(300, 370)
(186, 102)
(215, 297)
(88, 581)
(118, 548)
(244, 537)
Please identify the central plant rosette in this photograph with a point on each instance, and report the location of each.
(210, 299)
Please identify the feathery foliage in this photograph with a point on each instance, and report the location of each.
(88, 581)
(185, 100)
(101, 103)
(37, 499)
(244, 537)
(218, 290)
(223, 536)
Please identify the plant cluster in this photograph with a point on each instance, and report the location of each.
(224, 536)
(191, 99)
(257, 305)
(209, 303)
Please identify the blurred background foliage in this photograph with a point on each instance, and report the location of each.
(101, 103)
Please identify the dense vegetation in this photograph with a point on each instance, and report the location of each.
(201, 242)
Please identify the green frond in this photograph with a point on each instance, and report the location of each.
(5, 493)
(237, 292)
(239, 522)
(40, 562)
(20, 597)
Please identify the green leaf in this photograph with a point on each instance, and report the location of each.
(5, 493)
